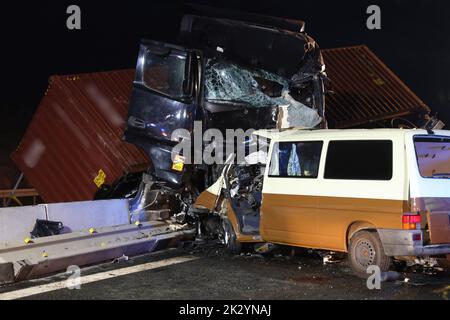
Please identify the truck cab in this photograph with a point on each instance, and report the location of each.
(224, 74)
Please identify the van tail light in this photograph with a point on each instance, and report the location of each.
(411, 221)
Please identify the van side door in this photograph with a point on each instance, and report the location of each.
(363, 182)
(288, 212)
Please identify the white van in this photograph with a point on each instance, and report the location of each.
(372, 193)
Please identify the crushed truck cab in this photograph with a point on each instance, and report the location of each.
(376, 194)
(226, 74)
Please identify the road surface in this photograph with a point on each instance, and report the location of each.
(211, 273)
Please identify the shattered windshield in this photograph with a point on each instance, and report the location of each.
(228, 82)
(231, 83)
(433, 156)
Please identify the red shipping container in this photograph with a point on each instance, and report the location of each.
(74, 142)
(365, 89)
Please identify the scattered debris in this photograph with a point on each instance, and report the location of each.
(328, 257)
(257, 256)
(123, 258)
(45, 228)
(331, 258)
(264, 247)
(390, 276)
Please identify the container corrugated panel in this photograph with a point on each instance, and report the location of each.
(364, 89)
(76, 132)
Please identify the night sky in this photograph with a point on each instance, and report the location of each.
(35, 43)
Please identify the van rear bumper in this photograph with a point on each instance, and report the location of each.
(401, 243)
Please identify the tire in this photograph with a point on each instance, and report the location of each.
(231, 242)
(365, 250)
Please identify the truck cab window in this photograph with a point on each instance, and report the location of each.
(296, 159)
(165, 74)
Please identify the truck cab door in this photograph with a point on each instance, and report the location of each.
(163, 99)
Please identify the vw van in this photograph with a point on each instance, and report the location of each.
(376, 194)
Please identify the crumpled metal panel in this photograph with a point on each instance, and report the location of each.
(365, 89)
(77, 131)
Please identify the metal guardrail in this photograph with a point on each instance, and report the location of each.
(43, 256)
(6, 195)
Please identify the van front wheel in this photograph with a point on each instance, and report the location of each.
(231, 242)
(365, 250)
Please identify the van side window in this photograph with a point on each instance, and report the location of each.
(359, 160)
(296, 159)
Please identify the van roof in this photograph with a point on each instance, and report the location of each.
(294, 134)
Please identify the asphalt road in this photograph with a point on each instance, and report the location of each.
(211, 273)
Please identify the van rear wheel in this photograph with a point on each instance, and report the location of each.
(366, 250)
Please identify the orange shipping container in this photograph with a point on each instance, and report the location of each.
(74, 142)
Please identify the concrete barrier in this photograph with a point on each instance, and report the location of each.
(6, 273)
(16, 223)
(77, 216)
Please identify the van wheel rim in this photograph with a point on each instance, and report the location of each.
(365, 253)
(226, 235)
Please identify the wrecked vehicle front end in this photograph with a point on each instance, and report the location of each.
(224, 74)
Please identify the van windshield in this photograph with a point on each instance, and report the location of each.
(433, 156)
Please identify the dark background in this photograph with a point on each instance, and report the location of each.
(35, 43)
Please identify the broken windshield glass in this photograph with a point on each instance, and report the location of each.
(228, 82)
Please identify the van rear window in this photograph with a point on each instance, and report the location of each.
(359, 160)
(433, 156)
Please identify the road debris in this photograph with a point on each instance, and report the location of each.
(123, 258)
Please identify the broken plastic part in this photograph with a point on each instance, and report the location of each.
(296, 114)
(123, 258)
(256, 158)
(264, 247)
